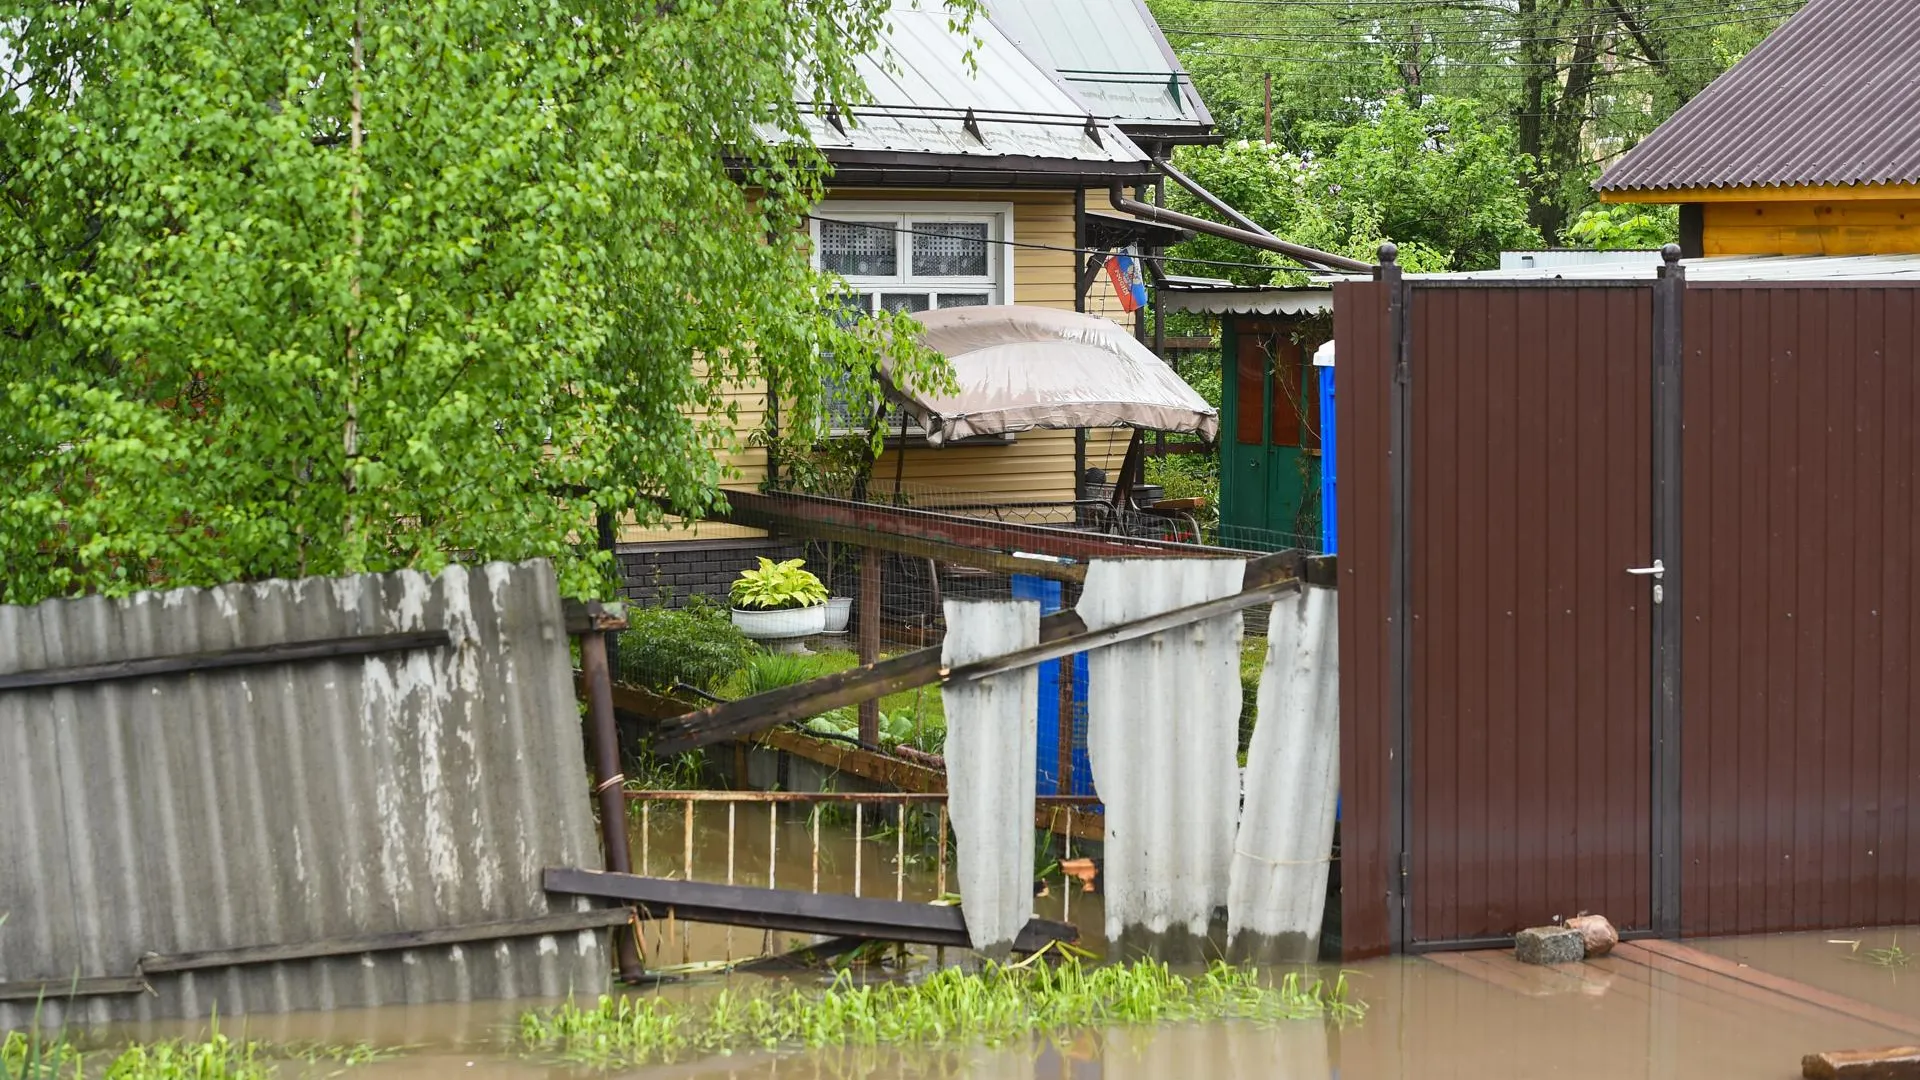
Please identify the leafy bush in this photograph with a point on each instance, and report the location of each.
(697, 645)
(776, 586)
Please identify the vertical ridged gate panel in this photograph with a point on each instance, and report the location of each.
(1798, 760)
(1530, 658)
(1363, 368)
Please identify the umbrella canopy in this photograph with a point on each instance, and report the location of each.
(1021, 368)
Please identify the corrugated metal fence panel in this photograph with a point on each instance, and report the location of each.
(1800, 773)
(1163, 737)
(296, 802)
(1278, 891)
(1365, 368)
(990, 751)
(1529, 723)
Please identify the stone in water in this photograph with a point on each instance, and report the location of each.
(1597, 932)
(1549, 945)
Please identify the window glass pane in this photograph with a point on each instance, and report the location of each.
(895, 301)
(958, 249)
(859, 249)
(964, 299)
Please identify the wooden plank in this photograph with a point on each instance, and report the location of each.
(281, 653)
(1789, 988)
(1061, 633)
(535, 926)
(792, 911)
(1886, 1063)
(63, 989)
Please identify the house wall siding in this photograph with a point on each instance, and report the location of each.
(1036, 466)
(1839, 227)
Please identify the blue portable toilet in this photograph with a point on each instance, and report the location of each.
(1329, 442)
(1047, 760)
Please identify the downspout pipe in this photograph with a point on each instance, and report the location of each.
(1220, 205)
(1310, 256)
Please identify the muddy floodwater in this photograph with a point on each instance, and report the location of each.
(1607, 1019)
(1461, 1015)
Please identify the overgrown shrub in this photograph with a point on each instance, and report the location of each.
(697, 645)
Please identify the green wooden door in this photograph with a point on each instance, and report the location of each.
(1269, 467)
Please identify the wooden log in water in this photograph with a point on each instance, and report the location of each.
(1887, 1063)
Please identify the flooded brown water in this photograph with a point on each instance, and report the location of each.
(1605, 1019)
(1426, 1017)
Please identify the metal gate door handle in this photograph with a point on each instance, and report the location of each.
(1657, 570)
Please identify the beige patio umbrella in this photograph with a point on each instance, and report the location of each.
(1020, 368)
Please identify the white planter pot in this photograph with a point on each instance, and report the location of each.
(785, 623)
(839, 612)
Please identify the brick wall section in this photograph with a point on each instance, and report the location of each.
(670, 573)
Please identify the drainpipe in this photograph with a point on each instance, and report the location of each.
(1313, 258)
(1220, 205)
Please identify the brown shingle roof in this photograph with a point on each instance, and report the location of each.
(1832, 97)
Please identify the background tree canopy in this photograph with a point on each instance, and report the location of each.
(1552, 89)
(318, 287)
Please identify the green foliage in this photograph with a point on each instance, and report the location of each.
(1577, 83)
(996, 1007)
(697, 645)
(775, 586)
(1435, 180)
(1253, 663)
(33, 1056)
(310, 288)
(767, 671)
(29, 1055)
(1618, 226)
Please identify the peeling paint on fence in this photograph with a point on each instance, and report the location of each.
(403, 790)
(992, 735)
(1280, 862)
(1163, 737)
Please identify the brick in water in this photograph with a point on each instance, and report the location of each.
(1549, 945)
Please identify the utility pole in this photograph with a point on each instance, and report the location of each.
(1269, 82)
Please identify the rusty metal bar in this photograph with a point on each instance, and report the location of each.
(870, 586)
(940, 873)
(608, 781)
(686, 820)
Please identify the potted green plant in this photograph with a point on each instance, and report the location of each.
(779, 600)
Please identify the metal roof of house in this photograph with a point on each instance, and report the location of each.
(1112, 53)
(1734, 268)
(926, 101)
(1832, 97)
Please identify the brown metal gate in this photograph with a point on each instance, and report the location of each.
(1500, 729)
(1800, 764)
(1530, 643)
(1526, 731)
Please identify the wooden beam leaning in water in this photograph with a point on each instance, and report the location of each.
(793, 911)
(1888, 1063)
(1061, 634)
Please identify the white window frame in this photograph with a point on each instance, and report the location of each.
(903, 216)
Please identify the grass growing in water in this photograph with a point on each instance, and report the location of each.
(25, 1056)
(995, 1007)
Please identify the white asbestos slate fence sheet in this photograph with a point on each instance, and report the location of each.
(992, 739)
(1280, 862)
(1163, 734)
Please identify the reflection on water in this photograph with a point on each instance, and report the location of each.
(1605, 1019)
(887, 862)
(1608, 1019)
